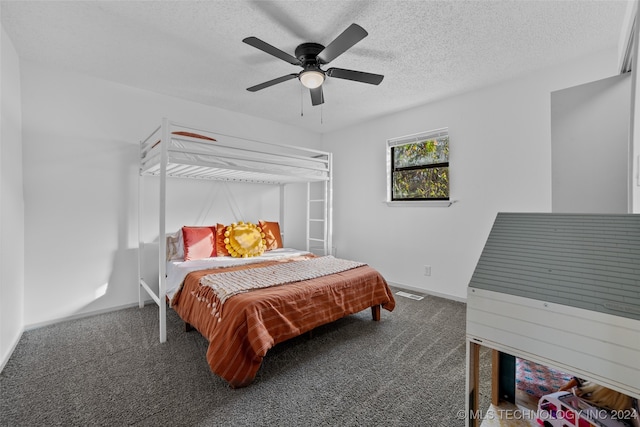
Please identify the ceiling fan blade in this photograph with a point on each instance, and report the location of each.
(356, 76)
(317, 96)
(271, 82)
(271, 50)
(344, 41)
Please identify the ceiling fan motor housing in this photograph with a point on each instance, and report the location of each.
(307, 54)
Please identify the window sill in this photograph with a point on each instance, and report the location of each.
(422, 203)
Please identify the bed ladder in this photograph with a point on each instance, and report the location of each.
(319, 212)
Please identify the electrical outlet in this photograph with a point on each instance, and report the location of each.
(427, 270)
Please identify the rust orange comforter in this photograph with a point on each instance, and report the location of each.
(253, 322)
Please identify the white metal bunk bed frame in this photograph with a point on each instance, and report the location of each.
(160, 156)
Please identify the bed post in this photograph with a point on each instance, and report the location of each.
(281, 214)
(162, 238)
(140, 242)
(329, 207)
(375, 312)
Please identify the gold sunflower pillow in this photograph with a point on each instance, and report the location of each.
(244, 240)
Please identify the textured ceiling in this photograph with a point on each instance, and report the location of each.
(427, 50)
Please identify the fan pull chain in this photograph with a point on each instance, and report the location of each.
(301, 102)
(321, 113)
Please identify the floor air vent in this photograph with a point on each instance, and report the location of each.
(408, 295)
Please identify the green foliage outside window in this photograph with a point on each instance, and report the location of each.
(420, 171)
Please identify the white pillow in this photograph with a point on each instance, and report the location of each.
(175, 246)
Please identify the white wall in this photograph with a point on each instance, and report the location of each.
(11, 202)
(634, 148)
(500, 158)
(634, 151)
(590, 146)
(80, 138)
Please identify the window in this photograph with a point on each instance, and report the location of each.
(418, 167)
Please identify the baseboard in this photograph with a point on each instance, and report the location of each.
(33, 326)
(426, 291)
(7, 356)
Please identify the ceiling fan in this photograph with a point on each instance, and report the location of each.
(311, 56)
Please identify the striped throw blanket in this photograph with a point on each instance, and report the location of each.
(225, 285)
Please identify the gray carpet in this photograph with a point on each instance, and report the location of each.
(111, 370)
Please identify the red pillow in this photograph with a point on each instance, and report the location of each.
(184, 133)
(220, 246)
(199, 242)
(272, 235)
(192, 135)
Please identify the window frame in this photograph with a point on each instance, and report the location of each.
(411, 139)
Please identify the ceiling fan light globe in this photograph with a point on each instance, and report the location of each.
(311, 79)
